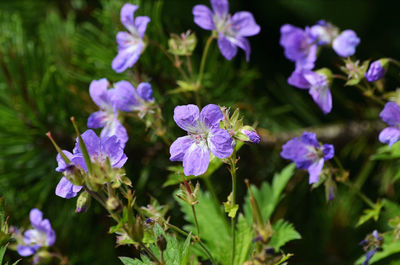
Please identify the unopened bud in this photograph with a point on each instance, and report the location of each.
(83, 202)
(112, 204)
(161, 243)
(138, 230)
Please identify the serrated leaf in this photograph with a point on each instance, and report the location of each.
(268, 196)
(244, 236)
(372, 213)
(185, 249)
(283, 233)
(231, 208)
(130, 261)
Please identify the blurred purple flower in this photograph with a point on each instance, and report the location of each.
(375, 72)
(127, 98)
(299, 46)
(323, 32)
(65, 189)
(107, 117)
(372, 244)
(204, 135)
(42, 235)
(130, 44)
(391, 115)
(232, 30)
(345, 44)
(308, 154)
(317, 84)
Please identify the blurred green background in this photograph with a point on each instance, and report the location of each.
(51, 50)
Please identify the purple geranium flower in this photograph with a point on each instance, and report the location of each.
(317, 84)
(204, 135)
(130, 44)
(376, 71)
(107, 117)
(345, 44)
(127, 98)
(42, 235)
(232, 30)
(299, 46)
(308, 154)
(65, 188)
(99, 149)
(391, 115)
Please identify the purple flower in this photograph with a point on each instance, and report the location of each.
(376, 71)
(317, 84)
(204, 135)
(371, 243)
(127, 98)
(299, 46)
(323, 32)
(254, 138)
(99, 149)
(130, 44)
(391, 115)
(308, 154)
(107, 117)
(345, 44)
(42, 235)
(232, 30)
(65, 189)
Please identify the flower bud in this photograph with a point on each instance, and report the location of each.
(138, 230)
(112, 204)
(377, 70)
(182, 45)
(83, 202)
(161, 243)
(42, 257)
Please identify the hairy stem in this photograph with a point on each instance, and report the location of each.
(233, 220)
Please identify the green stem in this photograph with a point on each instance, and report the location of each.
(359, 193)
(150, 253)
(203, 59)
(395, 62)
(195, 221)
(233, 220)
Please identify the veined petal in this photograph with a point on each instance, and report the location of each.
(126, 58)
(112, 148)
(65, 189)
(391, 114)
(179, 147)
(62, 166)
(203, 17)
(124, 40)
(97, 119)
(196, 159)
(320, 91)
(115, 128)
(227, 48)
(297, 79)
(211, 115)
(389, 135)
(91, 140)
(345, 44)
(99, 94)
(141, 25)
(79, 161)
(220, 142)
(244, 25)
(328, 150)
(310, 138)
(125, 97)
(244, 44)
(315, 170)
(220, 7)
(128, 16)
(145, 91)
(36, 217)
(187, 117)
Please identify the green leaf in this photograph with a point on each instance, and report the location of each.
(283, 233)
(231, 208)
(386, 153)
(185, 251)
(244, 236)
(2, 251)
(370, 214)
(268, 196)
(130, 261)
(15, 263)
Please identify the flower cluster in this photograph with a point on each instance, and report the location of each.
(391, 115)
(232, 30)
(40, 236)
(308, 154)
(301, 47)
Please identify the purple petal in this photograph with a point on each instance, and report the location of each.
(126, 58)
(145, 91)
(99, 93)
(203, 17)
(115, 128)
(92, 143)
(244, 25)
(124, 40)
(97, 119)
(25, 251)
(220, 142)
(375, 72)
(220, 7)
(308, 61)
(65, 189)
(315, 170)
(128, 16)
(111, 147)
(254, 138)
(310, 138)
(62, 166)
(320, 91)
(186, 117)
(196, 159)
(125, 96)
(298, 80)
(179, 147)
(211, 115)
(244, 44)
(391, 114)
(368, 256)
(79, 161)
(141, 25)
(35, 216)
(345, 44)
(328, 150)
(227, 48)
(389, 135)
(296, 151)
(51, 237)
